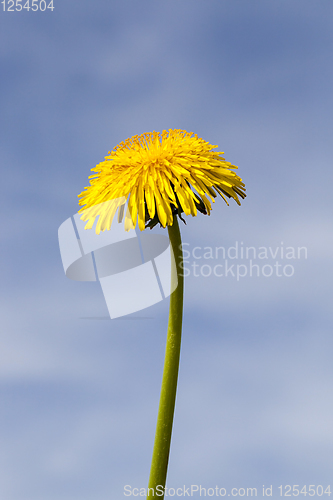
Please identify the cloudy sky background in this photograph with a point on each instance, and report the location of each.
(79, 396)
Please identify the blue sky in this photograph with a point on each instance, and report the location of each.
(80, 396)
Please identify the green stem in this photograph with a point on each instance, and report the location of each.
(159, 464)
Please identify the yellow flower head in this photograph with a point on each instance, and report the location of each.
(159, 175)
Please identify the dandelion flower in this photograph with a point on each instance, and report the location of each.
(159, 175)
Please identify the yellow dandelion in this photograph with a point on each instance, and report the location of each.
(158, 175)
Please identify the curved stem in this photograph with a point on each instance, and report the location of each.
(159, 465)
